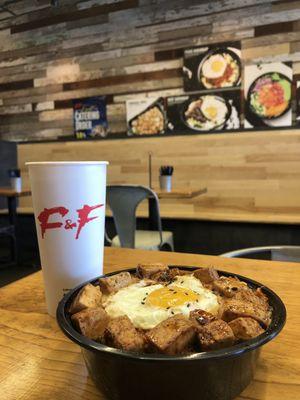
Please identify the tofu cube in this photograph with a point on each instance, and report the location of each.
(206, 275)
(229, 286)
(89, 296)
(114, 283)
(121, 334)
(91, 322)
(215, 335)
(245, 328)
(172, 336)
(148, 270)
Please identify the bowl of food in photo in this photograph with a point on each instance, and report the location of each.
(206, 112)
(220, 68)
(159, 332)
(151, 121)
(269, 96)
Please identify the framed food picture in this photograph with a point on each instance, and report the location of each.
(298, 102)
(90, 118)
(268, 95)
(204, 112)
(212, 67)
(146, 116)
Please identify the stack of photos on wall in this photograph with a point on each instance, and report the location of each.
(213, 76)
(217, 91)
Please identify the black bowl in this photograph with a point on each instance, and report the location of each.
(250, 90)
(186, 104)
(221, 51)
(215, 375)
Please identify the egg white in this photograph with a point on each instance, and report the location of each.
(207, 68)
(131, 301)
(218, 105)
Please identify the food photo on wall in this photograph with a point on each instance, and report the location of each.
(212, 67)
(268, 95)
(204, 112)
(297, 85)
(146, 116)
(89, 116)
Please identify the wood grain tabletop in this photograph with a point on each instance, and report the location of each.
(9, 192)
(37, 362)
(180, 193)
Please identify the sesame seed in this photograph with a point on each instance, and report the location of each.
(172, 312)
(142, 302)
(168, 308)
(188, 304)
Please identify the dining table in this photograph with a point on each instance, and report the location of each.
(37, 362)
(175, 193)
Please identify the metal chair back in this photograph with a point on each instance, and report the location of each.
(123, 201)
(278, 253)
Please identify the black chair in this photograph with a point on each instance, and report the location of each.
(276, 253)
(8, 160)
(9, 231)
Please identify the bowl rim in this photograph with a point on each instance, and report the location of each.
(277, 324)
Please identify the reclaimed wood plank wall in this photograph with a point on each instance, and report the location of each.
(129, 48)
(122, 49)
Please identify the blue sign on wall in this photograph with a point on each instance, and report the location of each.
(90, 117)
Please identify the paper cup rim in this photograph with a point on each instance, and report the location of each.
(54, 163)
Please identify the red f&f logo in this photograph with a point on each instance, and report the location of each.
(83, 218)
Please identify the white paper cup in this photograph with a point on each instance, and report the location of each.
(69, 208)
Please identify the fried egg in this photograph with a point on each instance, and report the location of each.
(147, 306)
(214, 109)
(214, 67)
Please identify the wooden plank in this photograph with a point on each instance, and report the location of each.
(125, 79)
(286, 5)
(263, 51)
(71, 72)
(180, 193)
(65, 15)
(272, 29)
(271, 40)
(16, 85)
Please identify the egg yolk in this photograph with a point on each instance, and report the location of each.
(212, 112)
(171, 297)
(217, 65)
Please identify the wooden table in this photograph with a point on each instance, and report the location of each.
(12, 196)
(37, 362)
(180, 193)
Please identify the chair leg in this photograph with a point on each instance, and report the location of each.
(14, 250)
